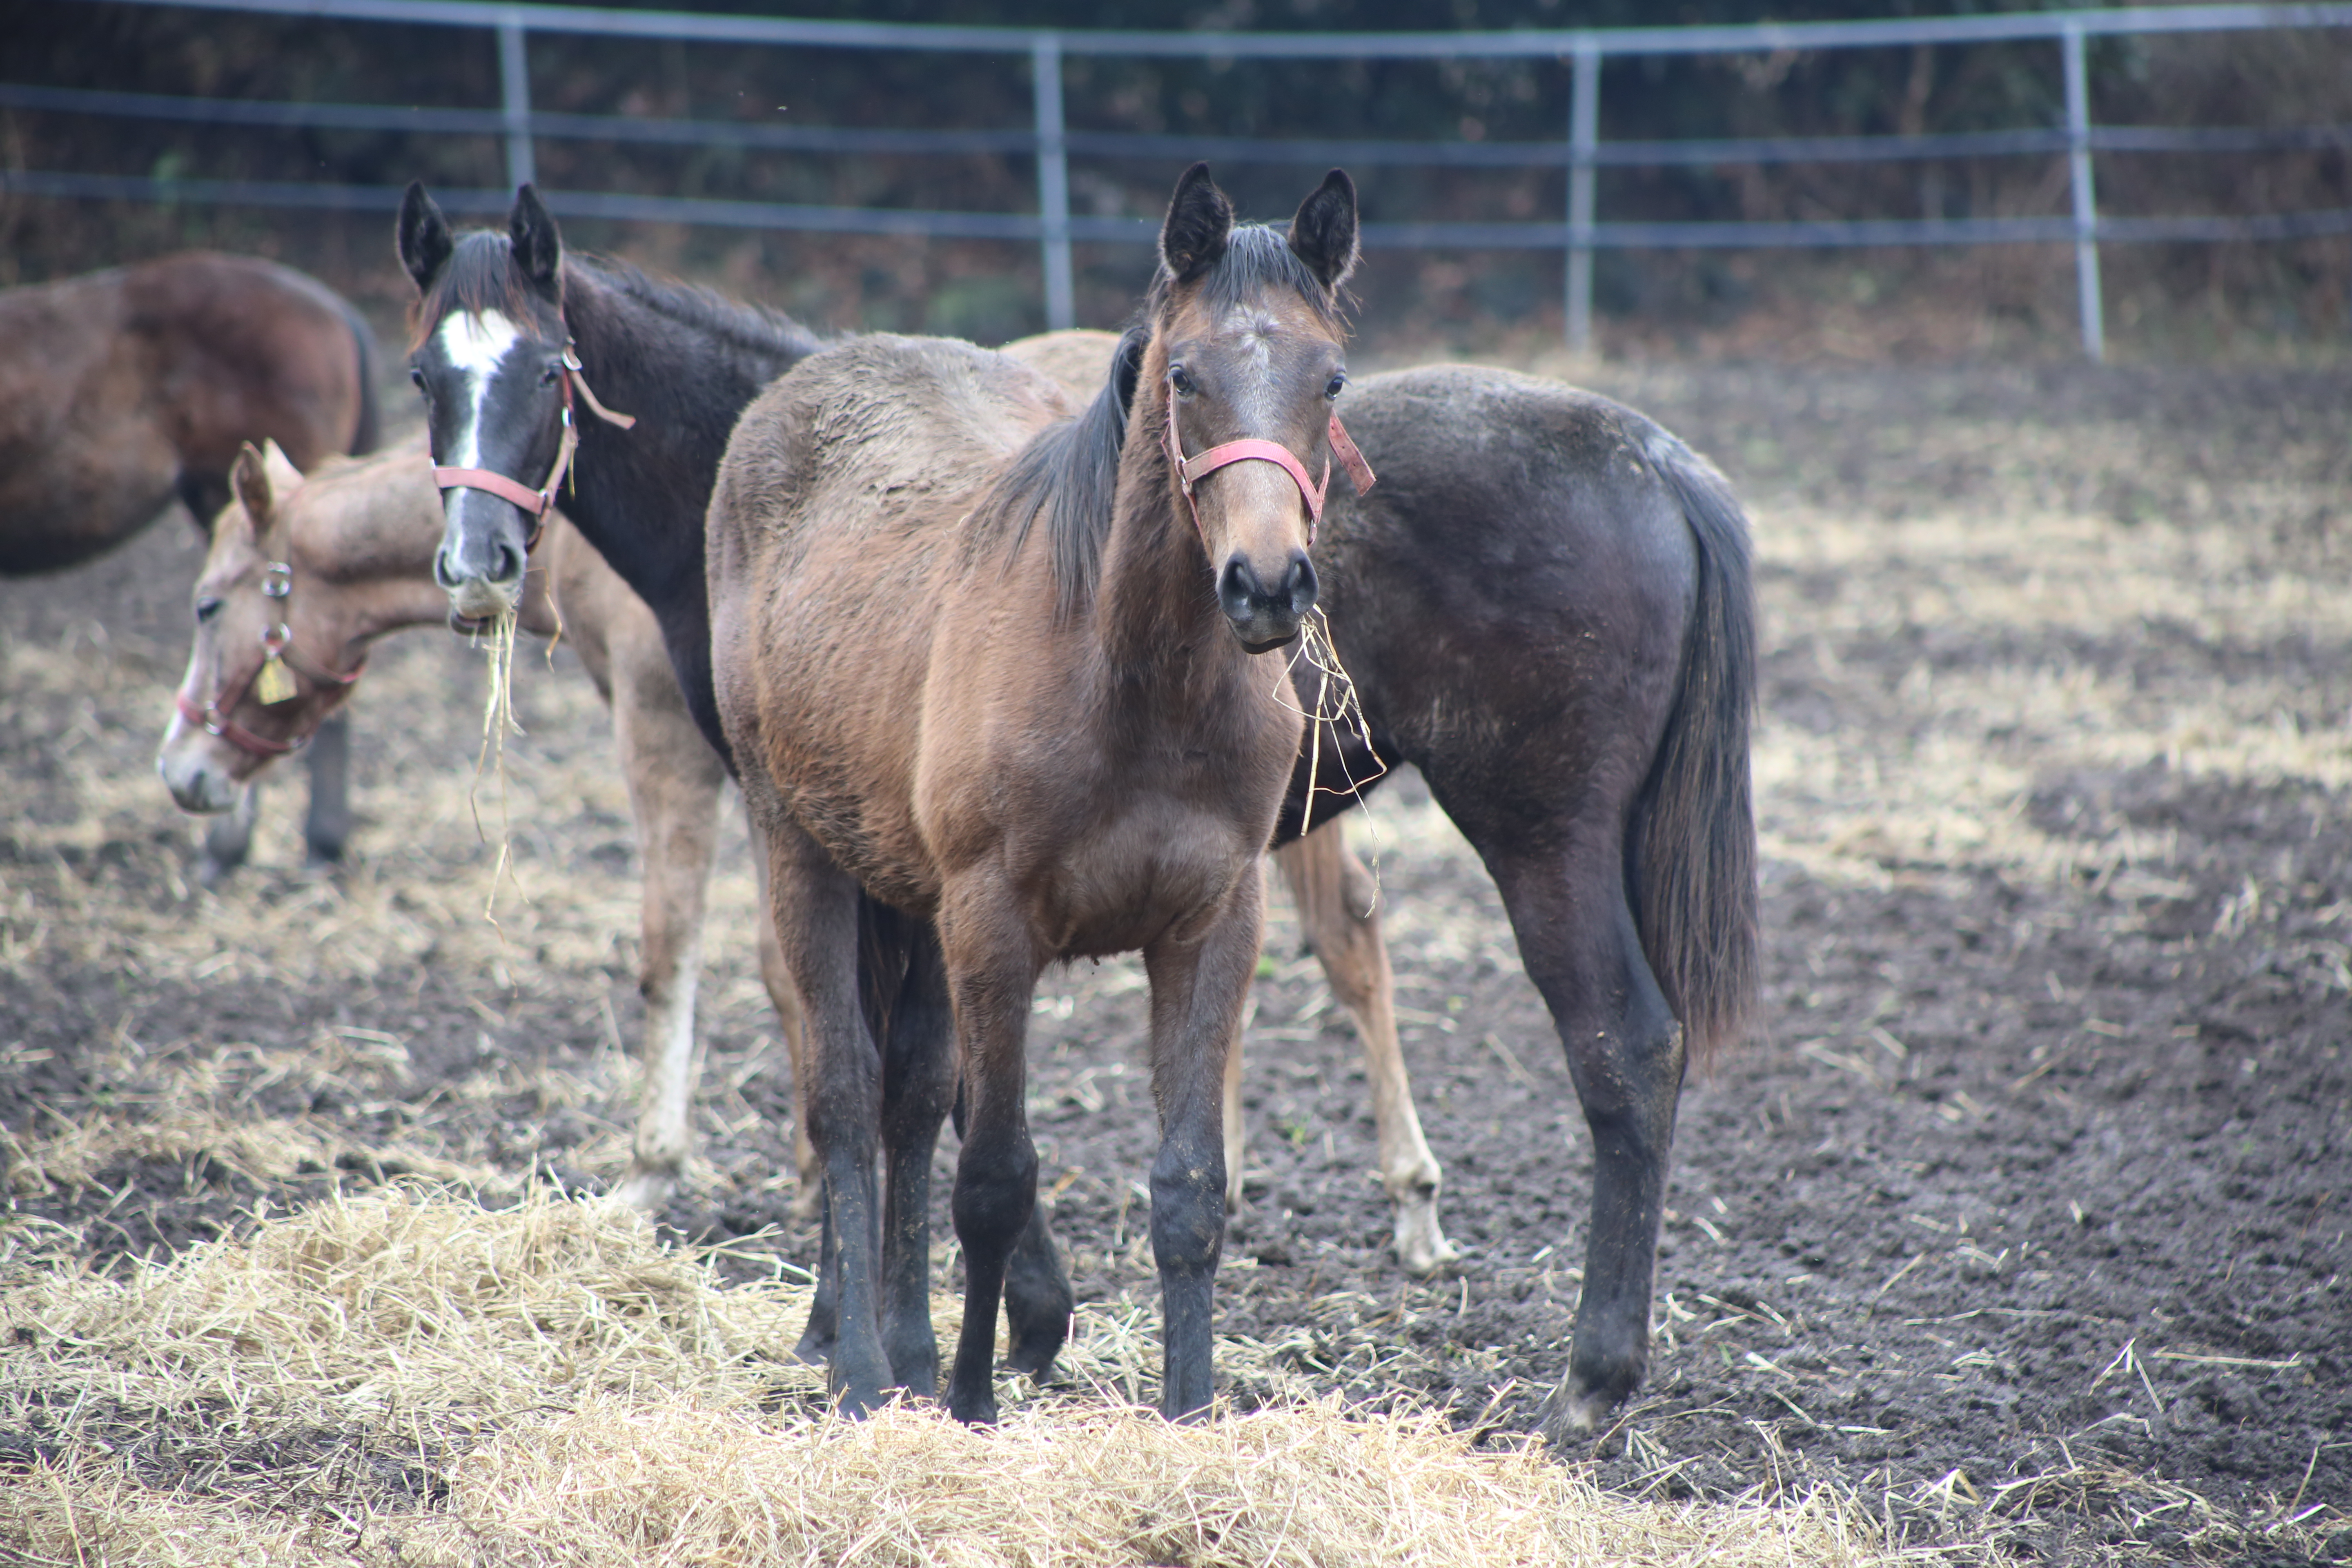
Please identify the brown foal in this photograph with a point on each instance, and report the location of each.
(1049, 742)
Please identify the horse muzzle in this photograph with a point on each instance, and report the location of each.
(482, 557)
(197, 783)
(1266, 617)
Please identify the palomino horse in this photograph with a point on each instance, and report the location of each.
(333, 563)
(1587, 729)
(998, 672)
(124, 389)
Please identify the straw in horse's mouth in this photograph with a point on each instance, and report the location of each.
(498, 718)
(1336, 703)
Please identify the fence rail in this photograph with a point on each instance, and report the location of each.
(1581, 154)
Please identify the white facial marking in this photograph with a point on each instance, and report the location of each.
(474, 345)
(1253, 334)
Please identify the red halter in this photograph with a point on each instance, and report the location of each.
(1190, 471)
(537, 502)
(277, 643)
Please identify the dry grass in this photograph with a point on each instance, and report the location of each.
(409, 1376)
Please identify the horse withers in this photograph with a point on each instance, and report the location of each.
(320, 569)
(994, 667)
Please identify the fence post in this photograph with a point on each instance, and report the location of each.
(1053, 181)
(2086, 209)
(514, 83)
(1583, 140)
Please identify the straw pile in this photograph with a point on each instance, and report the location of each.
(408, 1377)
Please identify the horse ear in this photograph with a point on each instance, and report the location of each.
(284, 476)
(1200, 221)
(249, 477)
(537, 246)
(1323, 235)
(425, 239)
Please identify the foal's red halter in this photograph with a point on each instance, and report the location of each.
(537, 502)
(277, 643)
(1190, 471)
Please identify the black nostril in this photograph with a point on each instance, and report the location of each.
(1299, 584)
(511, 563)
(444, 575)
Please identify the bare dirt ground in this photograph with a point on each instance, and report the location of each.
(2023, 1220)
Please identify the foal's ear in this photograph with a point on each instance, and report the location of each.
(249, 477)
(425, 239)
(538, 246)
(1323, 235)
(1200, 221)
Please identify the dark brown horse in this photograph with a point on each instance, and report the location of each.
(1587, 725)
(125, 389)
(997, 671)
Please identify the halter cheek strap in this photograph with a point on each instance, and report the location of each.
(536, 503)
(1190, 471)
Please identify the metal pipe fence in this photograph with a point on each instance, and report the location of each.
(1582, 155)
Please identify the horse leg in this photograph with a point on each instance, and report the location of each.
(329, 827)
(228, 838)
(1038, 1300)
(1337, 906)
(991, 971)
(816, 909)
(1577, 936)
(1198, 990)
(808, 1195)
(917, 1089)
(674, 779)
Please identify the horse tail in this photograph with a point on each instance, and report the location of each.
(1693, 839)
(367, 431)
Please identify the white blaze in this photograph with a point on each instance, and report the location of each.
(475, 346)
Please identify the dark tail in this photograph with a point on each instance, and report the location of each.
(368, 433)
(1695, 836)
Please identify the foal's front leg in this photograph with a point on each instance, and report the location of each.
(1197, 992)
(814, 907)
(992, 967)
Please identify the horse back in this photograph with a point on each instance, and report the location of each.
(239, 348)
(1521, 547)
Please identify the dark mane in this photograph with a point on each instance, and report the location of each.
(480, 276)
(1070, 473)
(739, 325)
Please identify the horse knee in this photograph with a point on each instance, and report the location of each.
(1188, 1211)
(994, 1197)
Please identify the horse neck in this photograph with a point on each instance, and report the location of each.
(685, 367)
(685, 370)
(364, 562)
(1157, 604)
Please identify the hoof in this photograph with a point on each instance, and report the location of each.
(1421, 1245)
(1573, 1414)
(647, 1191)
(1033, 1354)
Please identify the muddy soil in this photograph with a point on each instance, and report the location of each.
(2024, 1216)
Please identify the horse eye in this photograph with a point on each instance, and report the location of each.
(1181, 380)
(551, 375)
(418, 377)
(1338, 384)
(207, 607)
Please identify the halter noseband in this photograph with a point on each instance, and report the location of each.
(1190, 471)
(277, 646)
(536, 503)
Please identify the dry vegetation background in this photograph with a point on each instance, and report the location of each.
(2018, 1234)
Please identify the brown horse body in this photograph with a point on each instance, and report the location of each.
(359, 539)
(1049, 742)
(125, 389)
